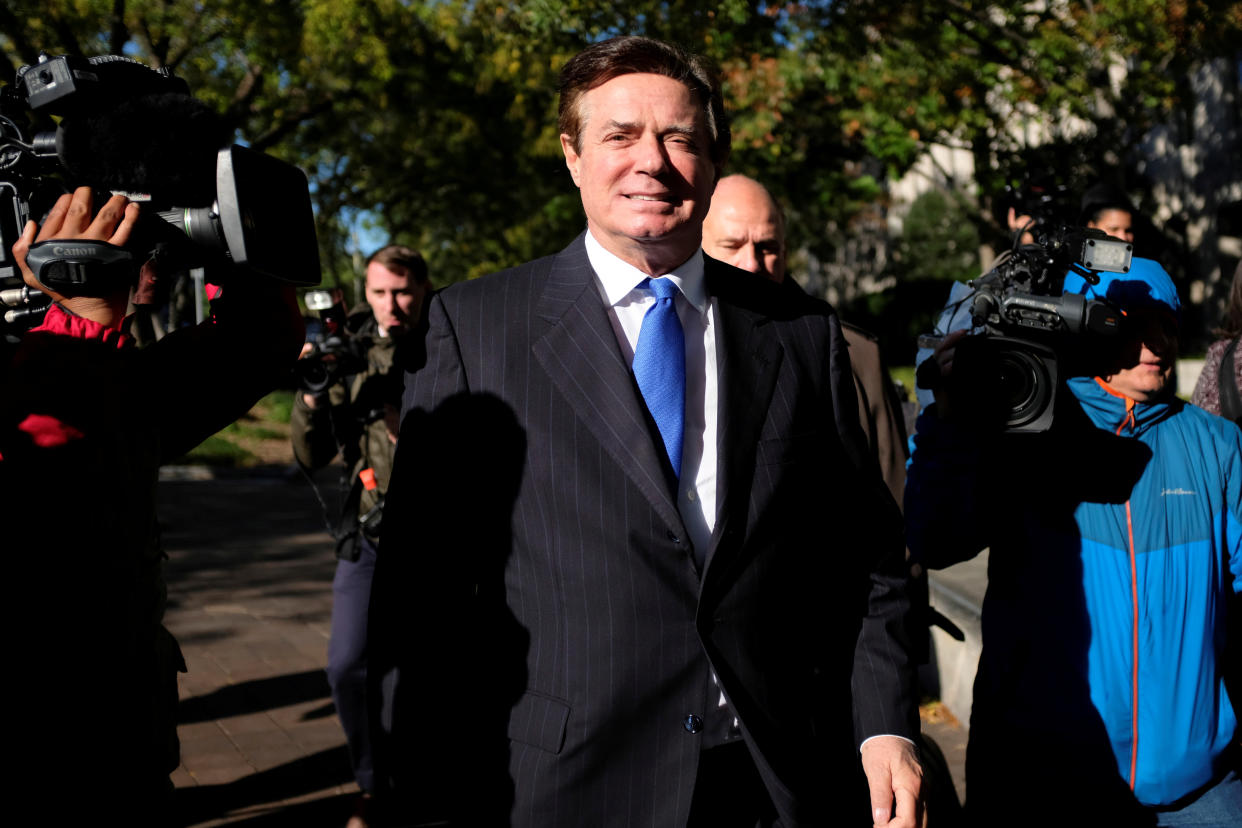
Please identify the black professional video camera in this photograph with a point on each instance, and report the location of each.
(1044, 204)
(334, 353)
(127, 128)
(1032, 335)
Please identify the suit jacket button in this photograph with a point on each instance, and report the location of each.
(692, 723)
(673, 537)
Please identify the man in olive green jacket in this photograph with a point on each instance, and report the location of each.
(356, 416)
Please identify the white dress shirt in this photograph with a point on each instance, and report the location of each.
(618, 283)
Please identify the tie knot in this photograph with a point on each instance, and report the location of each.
(663, 288)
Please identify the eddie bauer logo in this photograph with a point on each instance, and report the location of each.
(1178, 491)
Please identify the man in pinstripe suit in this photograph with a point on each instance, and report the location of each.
(591, 628)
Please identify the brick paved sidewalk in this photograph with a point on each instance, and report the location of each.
(250, 596)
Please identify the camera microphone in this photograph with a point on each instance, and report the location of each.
(162, 145)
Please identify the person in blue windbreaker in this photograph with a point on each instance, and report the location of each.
(1115, 566)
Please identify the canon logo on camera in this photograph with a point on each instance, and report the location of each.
(61, 250)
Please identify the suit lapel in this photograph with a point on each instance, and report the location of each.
(580, 354)
(751, 356)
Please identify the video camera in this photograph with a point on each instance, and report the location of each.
(334, 353)
(127, 128)
(1032, 335)
(1044, 204)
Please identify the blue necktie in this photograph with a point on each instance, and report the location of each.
(660, 367)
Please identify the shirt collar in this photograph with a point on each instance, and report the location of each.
(618, 278)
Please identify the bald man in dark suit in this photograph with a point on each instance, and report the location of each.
(746, 228)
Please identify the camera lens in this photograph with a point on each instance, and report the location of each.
(1024, 385)
(200, 224)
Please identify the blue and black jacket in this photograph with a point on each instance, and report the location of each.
(1115, 548)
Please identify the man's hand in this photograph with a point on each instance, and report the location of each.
(893, 773)
(72, 218)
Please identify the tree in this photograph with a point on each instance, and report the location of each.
(1063, 90)
(937, 242)
(433, 123)
(442, 137)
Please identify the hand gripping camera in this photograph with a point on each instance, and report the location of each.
(1033, 336)
(335, 353)
(127, 128)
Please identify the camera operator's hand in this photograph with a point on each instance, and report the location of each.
(72, 218)
(313, 400)
(943, 357)
(310, 400)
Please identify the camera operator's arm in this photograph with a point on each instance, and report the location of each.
(944, 508)
(214, 372)
(194, 381)
(310, 427)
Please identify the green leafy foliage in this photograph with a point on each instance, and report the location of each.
(259, 437)
(937, 242)
(433, 123)
(938, 245)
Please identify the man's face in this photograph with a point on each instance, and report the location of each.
(1149, 353)
(644, 170)
(743, 229)
(395, 299)
(1115, 223)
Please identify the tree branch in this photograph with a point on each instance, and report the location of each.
(249, 87)
(27, 52)
(1022, 62)
(988, 23)
(119, 34)
(68, 40)
(175, 57)
(157, 48)
(289, 123)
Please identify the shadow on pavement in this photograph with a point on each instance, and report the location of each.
(329, 813)
(256, 696)
(205, 512)
(326, 769)
(256, 541)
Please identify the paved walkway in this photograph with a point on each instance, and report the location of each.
(250, 595)
(250, 587)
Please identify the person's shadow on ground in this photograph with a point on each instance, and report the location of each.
(316, 772)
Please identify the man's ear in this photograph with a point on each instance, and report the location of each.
(572, 159)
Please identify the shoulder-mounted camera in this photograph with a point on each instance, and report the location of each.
(123, 127)
(1029, 336)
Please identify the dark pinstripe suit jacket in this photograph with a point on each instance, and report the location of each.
(543, 609)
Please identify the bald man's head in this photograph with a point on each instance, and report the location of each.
(745, 228)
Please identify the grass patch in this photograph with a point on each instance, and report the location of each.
(276, 406)
(261, 436)
(218, 450)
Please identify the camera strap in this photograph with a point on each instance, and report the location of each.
(79, 266)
